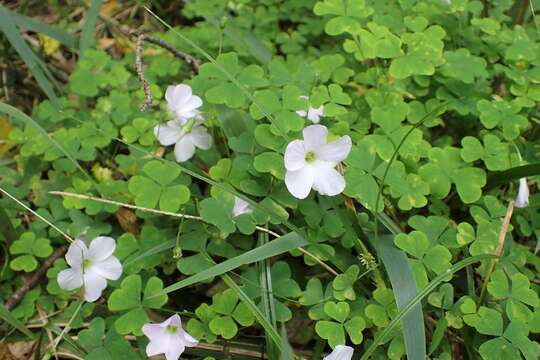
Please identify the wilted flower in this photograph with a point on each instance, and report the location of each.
(312, 114)
(310, 163)
(168, 338)
(341, 352)
(241, 207)
(522, 199)
(182, 102)
(90, 267)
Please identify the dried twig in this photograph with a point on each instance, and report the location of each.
(18, 295)
(498, 250)
(141, 38)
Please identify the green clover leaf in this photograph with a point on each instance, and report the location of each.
(461, 65)
(157, 187)
(229, 312)
(346, 15)
(128, 300)
(502, 114)
(29, 248)
(447, 167)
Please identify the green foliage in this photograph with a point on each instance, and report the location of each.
(438, 97)
(29, 248)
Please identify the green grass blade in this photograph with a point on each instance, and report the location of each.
(32, 61)
(404, 287)
(287, 353)
(250, 42)
(27, 120)
(26, 22)
(87, 34)
(152, 251)
(503, 177)
(416, 300)
(267, 296)
(268, 328)
(13, 321)
(6, 228)
(275, 247)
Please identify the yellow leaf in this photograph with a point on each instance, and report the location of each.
(5, 129)
(50, 45)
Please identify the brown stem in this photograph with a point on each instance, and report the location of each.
(498, 250)
(18, 295)
(141, 38)
(521, 11)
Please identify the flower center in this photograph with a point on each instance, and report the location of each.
(171, 329)
(189, 125)
(310, 156)
(86, 264)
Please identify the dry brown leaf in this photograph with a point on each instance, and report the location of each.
(128, 221)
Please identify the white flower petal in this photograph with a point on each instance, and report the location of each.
(336, 151)
(522, 199)
(174, 320)
(101, 248)
(241, 207)
(200, 137)
(302, 113)
(299, 182)
(193, 103)
(315, 136)
(177, 96)
(295, 155)
(163, 341)
(93, 286)
(158, 345)
(184, 149)
(76, 253)
(110, 268)
(189, 340)
(175, 350)
(314, 114)
(168, 134)
(70, 279)
(328, 180)
(153, 331)
(341, 352)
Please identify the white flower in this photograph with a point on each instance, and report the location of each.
(168, 338)
(311, 163)
(186, 135)
(522, 199)
(341, 352)
(312, 114)
(182, 102)
(90, 267)
(241, 207)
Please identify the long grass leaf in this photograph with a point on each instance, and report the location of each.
(32, 61)
(250, 42)
(404, 288)
(503, 177)
(6, 228)
(263, 321)
(416, 300)
(26, 22)
(90, 20)
(267, 296)
(13, 321)
(275, 247)
(27, 120)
